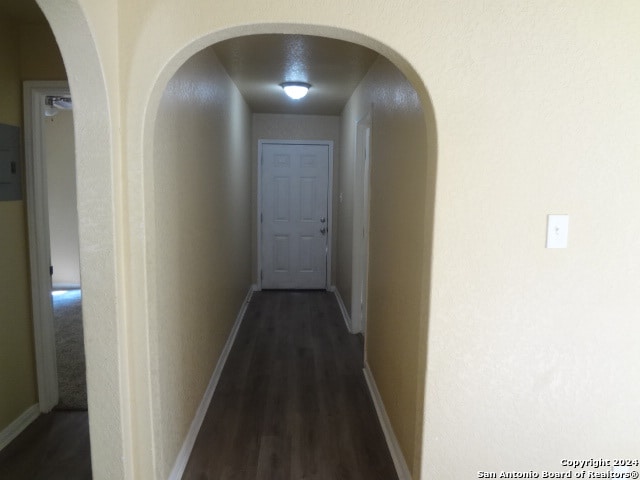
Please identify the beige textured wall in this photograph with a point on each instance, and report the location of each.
(22, 58)
(10, 100)
(531, 350)
(202, 201)
(266, 126)
(396, 241)
(39, 54)
(536, 113)
(62, 202)
(17, 367)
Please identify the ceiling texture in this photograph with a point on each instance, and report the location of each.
(258, 64)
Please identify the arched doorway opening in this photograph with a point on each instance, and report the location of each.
(180, 132)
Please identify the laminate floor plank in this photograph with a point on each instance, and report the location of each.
(292, 402)
(54, 447)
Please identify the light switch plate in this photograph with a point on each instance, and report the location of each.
(557, 231)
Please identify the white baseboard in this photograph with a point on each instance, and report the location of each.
(343, 308)
(16, 427)
(392, 442)
(185, 452)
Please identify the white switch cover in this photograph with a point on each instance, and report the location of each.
(557, 231)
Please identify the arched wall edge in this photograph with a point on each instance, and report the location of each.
(181, 55)
(101, 252)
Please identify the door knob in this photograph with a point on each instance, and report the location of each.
(323, 230)
(322, 220)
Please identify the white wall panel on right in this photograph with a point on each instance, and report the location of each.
(398, 242)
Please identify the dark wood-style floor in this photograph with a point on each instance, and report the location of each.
(54, 447)
(292, 402)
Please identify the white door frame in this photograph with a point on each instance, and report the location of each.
(39, 244)
(361, 195)
(329, 144)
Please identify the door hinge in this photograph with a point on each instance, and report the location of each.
(51, 270)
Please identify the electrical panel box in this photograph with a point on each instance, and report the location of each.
(10, 177)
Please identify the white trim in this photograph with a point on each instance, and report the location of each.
(16, 427)
(39, 245)
(360, 245)
(189, 441)
(343, 308)
(392, 442)
(329, 144)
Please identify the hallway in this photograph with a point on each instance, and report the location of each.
(292, 402)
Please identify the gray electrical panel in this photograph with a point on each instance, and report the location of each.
(10, 178)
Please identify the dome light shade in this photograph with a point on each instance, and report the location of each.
(295, 90)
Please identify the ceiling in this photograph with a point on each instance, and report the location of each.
(22, 11)
(258, 64)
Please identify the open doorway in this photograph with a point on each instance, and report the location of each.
(55, 444)
(36, 442)
(54, 252)
(59, 158)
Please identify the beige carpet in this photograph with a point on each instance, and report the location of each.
(72, 383)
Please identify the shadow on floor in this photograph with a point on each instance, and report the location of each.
(54, 447)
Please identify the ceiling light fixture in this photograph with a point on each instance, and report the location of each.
(295, 90)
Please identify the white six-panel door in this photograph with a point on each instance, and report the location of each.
(294, 216)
